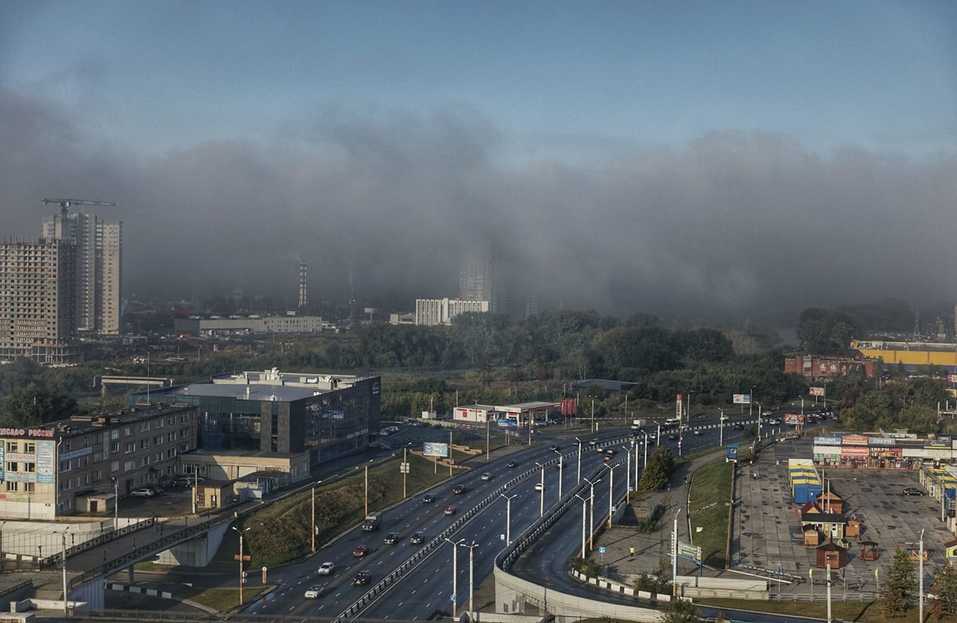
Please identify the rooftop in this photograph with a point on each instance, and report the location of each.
(276, 393)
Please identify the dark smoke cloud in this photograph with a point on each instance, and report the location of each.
(735, 223)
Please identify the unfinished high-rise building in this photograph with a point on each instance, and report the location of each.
(476, 280)
(303, 285)
(37, 300)
(99, 267)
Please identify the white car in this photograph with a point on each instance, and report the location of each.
(326, 568)
(143, 492)
(312, 593)
(538, 486)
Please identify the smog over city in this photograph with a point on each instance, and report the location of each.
(658, 162)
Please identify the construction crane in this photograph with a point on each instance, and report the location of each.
(66, 204)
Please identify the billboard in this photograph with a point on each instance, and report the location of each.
(569, 406)
(794, 419)
(827, 441)
(731, 452)
(882, 441)
(45, 461)
(815, 391)
(687, 550)
(952, 378)
(741, 399)
(854, 440)
(679, 406)
(430, 448)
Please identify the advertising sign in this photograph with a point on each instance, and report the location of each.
(430, 448)
(741, 399)
(569, 407)
(815, 391)
(794, 419)
(687, 550)
(881, 441)
(679, 406)
(827, 441)
(952, 378)
(854, 440)
(854, 451)
(2, 461)
(731, 453)
(45, 462)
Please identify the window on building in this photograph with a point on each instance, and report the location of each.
(127, 431)
(130, 447)
(12, 486)
(115, 466)
(144, 443)
(29, 487)
(114, 446)
(115, 433)
(12, 466)
(13, 446)
(29, 467)
(30, 447)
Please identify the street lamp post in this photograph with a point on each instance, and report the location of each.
(644, 461)
(628, 474)
(116, 503)
(455, 572)
(66, 596)
(541, 497)
(242, 579)
(508, 516)
(471, 547)
(920, 578)
(721, 428)
(578, 474)
(559, 474)
(591, 512)
(313, 530)
(760, 408)
(828, 571)
(611, 491)
(674, 555)
(584, 502)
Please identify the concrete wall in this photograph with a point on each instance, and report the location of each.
(199, 551)
(30, 538)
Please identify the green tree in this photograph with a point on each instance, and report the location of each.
(945, 588)
(659, 470)
(899, 586)
(680, 611)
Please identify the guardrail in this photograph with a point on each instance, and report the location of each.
(361, 604)
(55, 559)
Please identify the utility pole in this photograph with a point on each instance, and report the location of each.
(66, 596)
(488, 440)
(674, 555)
(560, 463)
(313, 531)
(920, 578)
(450, 454)
(721, 428)
(591, 512)
(593, 415)
(116, 503)
(405, 472)
(611, 491)
(471, 546)
(578, 474)
(541, 497)
(628, 474)
(828, 567)
(508, 516)
(242, 579)
(366, 490)
(455, 572)
(644, 462)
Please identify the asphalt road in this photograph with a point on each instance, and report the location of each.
(428, 588)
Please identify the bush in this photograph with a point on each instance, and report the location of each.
(586, 566)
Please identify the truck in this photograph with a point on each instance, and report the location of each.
(371, 522)
(636, 424)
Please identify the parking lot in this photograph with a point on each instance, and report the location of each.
(767, 527)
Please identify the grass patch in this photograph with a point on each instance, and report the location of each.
(280, 532)
(225, 598)
(710, 491)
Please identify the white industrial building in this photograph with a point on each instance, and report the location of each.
(437, 312)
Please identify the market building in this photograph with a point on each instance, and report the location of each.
(519, 415)
(882, 450)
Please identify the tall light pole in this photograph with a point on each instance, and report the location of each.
(591, 511)
(721, 427)
(471, 547)
(508, 516)
(628, 473)
(920, 578)
(578, 474)
(313, 519)
(541, 497)
(584, 502)
(828, 567)
(637, 462)
(455, 572)
(611, 491)
(116, 503)
(644, 462)
(559, 473)
(242, 580)
(760, 408)
(66, 596)
(674, 555)
(365, 495)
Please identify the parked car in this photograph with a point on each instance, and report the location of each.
(417, 538)
(362, 578)
(449, 510)
(361, 551)
(486, 476)
(326, 568)
(912, 491)
(427, 499)
(312, 592)
(391, 539)
(143, 492)
(458, 490)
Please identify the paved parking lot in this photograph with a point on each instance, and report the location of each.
(767, 528)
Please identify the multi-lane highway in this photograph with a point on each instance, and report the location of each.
(428, 587)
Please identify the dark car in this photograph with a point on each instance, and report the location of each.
(361, 551)
(458, 490)
(449, 510)
(511, 465)
(555, 448)
(417, 538)
(912, 491)
(391, 539)
(427, 499)
(362, 578)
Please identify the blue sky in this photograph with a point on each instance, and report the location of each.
(579, 78)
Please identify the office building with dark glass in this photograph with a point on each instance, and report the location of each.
(256, 421)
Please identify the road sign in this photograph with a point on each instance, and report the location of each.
(435, 449)
(404, 468)
(687, 550)
(741, 399)
(246, 558)
(602, 549)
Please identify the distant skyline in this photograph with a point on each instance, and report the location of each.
(556, 78)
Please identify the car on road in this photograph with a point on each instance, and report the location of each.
(326, 568)
(592, 443)
(417, 538)
(449, 510)
(912, 491)
(555, 448)
(538, 486)
(427, 499)
(360, 551)
(312, 592)
(696, 432)
(458, 490)
(672, 436)
(610, 452)
(391, 539)
(511, 465)
(361, 579)
(143, 492)
(600, 450)
(486, 476)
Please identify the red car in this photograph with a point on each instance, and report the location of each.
(361, 551)
(450, 510)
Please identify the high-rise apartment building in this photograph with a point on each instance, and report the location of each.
(435, 312)
(99, 250)
(476, 281)
(37, 300)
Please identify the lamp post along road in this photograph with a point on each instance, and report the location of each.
(471, 547)
(242, 579)
(628, 476)
(66, 596)
(920, 578)
(508, 516)
(455, 572)
(591, 512)
(560, 464)
(611, 491)
(313, 531)
(578, 474)
(541, 497)
(828, 572)
(584, 503)
(674, 555)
